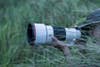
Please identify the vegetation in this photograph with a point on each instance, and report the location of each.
(16, 14)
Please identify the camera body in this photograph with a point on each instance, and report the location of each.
(42, 34)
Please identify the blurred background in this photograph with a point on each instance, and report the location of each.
(14, 18)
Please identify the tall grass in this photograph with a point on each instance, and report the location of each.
(16, 14)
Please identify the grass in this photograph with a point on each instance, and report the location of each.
(16, 14)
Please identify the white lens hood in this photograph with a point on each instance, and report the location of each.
(40, 33)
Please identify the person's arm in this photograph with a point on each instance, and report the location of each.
(61, 46)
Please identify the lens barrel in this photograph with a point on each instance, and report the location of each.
(41, 34)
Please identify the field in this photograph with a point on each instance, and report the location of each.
(14, 18)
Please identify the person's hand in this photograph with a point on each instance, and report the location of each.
(58, 44)
(61, 46)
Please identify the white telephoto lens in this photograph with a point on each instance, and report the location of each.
(42, 34)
